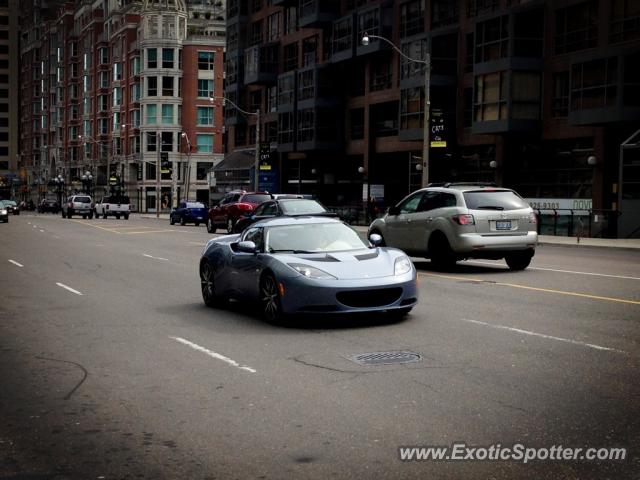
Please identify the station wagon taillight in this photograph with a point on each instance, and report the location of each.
(533, 218)
(464, 219)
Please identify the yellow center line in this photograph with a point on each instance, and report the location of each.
(537, 289)
(95, 226)
(148, 231)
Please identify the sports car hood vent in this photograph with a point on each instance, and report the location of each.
(326, 258)
(351, 265)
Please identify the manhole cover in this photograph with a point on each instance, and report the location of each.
(385, 358)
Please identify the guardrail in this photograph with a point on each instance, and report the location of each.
(568, 222)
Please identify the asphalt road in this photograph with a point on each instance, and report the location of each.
(111, 366)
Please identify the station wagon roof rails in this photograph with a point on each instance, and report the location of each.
(469, 184)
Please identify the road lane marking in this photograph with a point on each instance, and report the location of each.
(541, 335)
(560, 271)
(95, 226)
(149, 231)
(16, 263)
(72, 290)
(42, 231)
(536, 289)
(213, 354)
(155, 258)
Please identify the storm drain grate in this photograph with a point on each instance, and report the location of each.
(386, 358)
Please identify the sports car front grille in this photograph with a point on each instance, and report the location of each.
(369, 298)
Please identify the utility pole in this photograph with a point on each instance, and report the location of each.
(256, 186)
(158, 166)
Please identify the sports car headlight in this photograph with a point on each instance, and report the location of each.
(402, 266)
(310, 272)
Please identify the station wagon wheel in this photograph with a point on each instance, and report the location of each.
(230, 225)
(208, 287)
(270, 298)
(210, 226)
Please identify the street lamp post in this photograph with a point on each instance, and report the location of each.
(59, 181)
(187, 172)
(256, 183)
(427, 101)
(87, 181)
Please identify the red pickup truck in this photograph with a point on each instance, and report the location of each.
(231, 207)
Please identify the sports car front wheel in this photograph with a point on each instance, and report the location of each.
(270, 298)
(208, 286)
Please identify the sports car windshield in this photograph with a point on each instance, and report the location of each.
(312, 238)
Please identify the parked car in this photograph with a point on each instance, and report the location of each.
(12, 207)
(189, 212)
(78, 205)
(457, 221)
(114, 206)
(4, 213)
(49, 205)
(283, 207)
(233, 206)
(307, 265)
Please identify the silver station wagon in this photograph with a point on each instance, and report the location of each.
(457, 221)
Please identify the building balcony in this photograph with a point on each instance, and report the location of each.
(317, 129)
(316, 13)
(287, 92)
(343, 41)
(374, 21)
(261, 65)
(237, 11)
(315, 87)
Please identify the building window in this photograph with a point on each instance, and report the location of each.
(418, 50)
(205, 116)
(369, 22)
(117, 71)
(272, 99)
(444, 54)
(468, 59)
(479, 7)
(576, 27)
(167, 58)
(594, 84)
(528, 28)
(525, 95)
(152, 86)
(167, 142)
(255, 33)
(135, 65)
(306, 85)
(232, 37)
(205, 88)
(205, 143)
(290, 20)
(380, 75)
(135, 92)
(135, 118)
(625, 21)
(273, 26)
(443, 12)
(631, 94)
(167, 114)
(467, 107)
(492, 39)
(255, 100)
(356, 123)
(103, 103)
(342, 35)
(310, 51)
(104, 79)
(271, 132)
(117, 96)
(286, 123)
(151, 143)
(411, 18)
(152, 58)
(205, 60)
(202, 168)
(290, 60)
(305, 125)
(560, 107)
(384, 119)
(167, 86)
(491, 97)
(411, 114)
(103, 55)
(152, 114)
(286, 90)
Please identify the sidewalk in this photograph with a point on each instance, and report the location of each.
(632, 243)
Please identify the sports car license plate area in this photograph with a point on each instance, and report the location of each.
(369, 298)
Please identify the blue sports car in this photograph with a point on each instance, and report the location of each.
(307, 265)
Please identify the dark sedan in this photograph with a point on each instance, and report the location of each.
(307, 265)
(4, 214)
(12, 207)
(49, 205)
(284, 207)
(189, 212)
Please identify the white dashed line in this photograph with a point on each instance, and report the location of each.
(541, 335)
(16, 263)
(42, 231)
(155, 258)
(560, 271)
(213, 354)
(72, 290)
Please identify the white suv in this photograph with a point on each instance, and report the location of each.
(452, 222)
(77, 205)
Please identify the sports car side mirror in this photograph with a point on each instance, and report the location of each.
(247, 247)
(394, 210)
(375, 239)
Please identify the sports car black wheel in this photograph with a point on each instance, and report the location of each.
(208, 286)
(270, 298)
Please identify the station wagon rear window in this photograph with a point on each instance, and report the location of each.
(82, 200)
(256, 198)
(494, 200)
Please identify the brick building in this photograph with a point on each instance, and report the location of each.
(536, 95)
(109, 87)
(9, 56)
